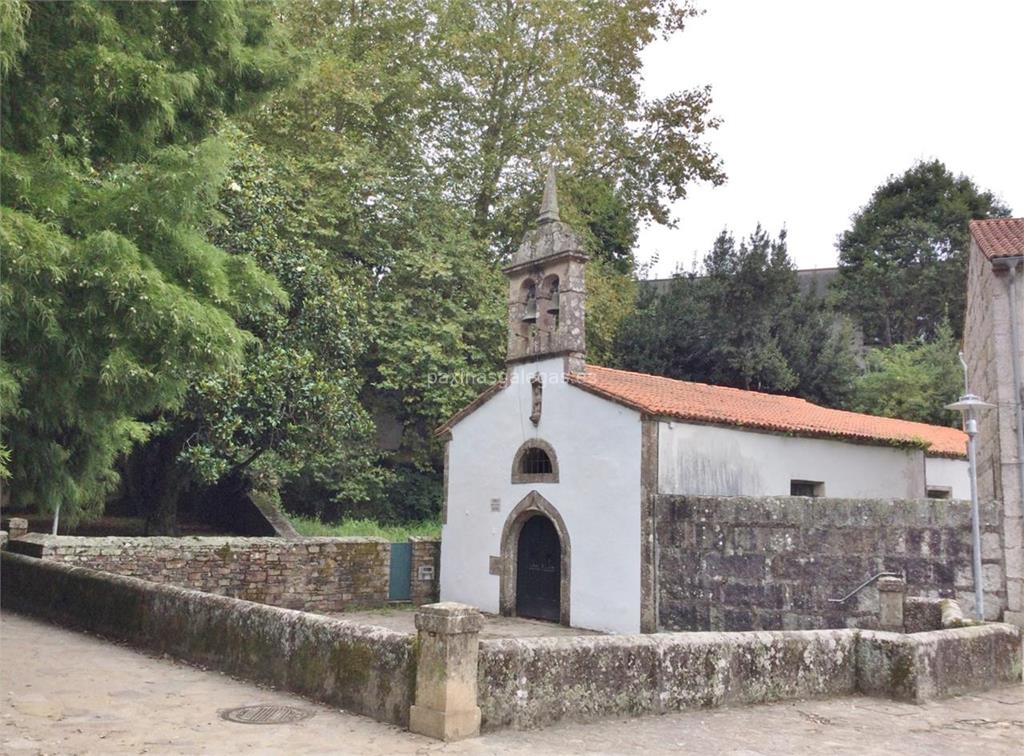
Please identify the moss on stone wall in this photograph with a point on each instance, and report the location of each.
(363, 669)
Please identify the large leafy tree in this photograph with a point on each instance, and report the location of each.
(913, 381)
(423, 127)
(114, 300)
(517, 79)
(742, 323)
(902, 262)
(478, 94)
(291, 407)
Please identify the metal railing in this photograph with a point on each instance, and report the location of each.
(864, 585)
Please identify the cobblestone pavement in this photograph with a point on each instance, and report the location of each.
(68, 693)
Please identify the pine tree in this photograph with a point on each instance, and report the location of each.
(742, 323)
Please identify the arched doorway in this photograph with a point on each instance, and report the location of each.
(539, 570)
(513, 544)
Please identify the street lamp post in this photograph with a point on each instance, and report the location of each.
(968, 406)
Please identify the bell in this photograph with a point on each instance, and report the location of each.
(553, 303)
(530, 315)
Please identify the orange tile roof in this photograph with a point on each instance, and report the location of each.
(684, 400)
(999, 237)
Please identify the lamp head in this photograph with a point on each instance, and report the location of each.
(969, 404)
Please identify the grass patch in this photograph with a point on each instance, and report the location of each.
(310, 526)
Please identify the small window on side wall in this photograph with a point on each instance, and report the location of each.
(535, 462)
(939, 492)
(815, 488)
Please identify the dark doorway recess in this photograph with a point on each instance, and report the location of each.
(538, 570)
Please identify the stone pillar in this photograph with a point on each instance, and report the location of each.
(446, 706)
(891, 593)
(426, 564)
(17, 527)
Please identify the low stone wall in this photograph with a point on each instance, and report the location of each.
(367, 670)
(938, 664)
(538, 681)
(314, 574)
(532, 682)
(741, 563)
(453, 682)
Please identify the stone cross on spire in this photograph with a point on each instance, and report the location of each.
(549, 204)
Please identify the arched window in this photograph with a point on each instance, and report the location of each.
(550, 296)
(529, 301)
(535, 462)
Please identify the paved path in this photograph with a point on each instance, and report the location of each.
(68, 693)
(402, 619)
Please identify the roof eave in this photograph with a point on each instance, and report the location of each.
(921, 444)
(446, 427)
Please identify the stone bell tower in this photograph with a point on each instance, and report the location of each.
(546, 290)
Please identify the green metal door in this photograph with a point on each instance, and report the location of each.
(401, 569)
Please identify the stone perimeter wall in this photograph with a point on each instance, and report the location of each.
(520, 683)
(367, 670)
(533, 682)
(313, 574)
(742, 563)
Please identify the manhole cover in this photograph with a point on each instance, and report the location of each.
(265, 714)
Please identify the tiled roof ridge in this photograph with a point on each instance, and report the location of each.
(999, 237)
(703, 402)
(714, 386)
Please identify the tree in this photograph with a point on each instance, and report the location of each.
(743, 323)
(291, 407)
(903, 262)
(114, 300)
(611, 301)
(913, 381)
(421, 128)
(479, 92)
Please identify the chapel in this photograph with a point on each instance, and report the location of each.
(552, 474)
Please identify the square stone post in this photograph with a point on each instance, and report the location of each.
(17, 527)
(891, 593)
(446, 706)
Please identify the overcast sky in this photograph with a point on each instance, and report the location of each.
(822, 101)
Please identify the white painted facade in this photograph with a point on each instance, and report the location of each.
(943, 472)
(706, 460)
(597, 444)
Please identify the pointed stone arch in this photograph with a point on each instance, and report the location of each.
(532, 504)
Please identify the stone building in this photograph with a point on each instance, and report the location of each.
(551, 476)
(995, 356)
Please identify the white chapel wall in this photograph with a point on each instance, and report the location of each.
(708, 460)
(942, 472)
(597, 443)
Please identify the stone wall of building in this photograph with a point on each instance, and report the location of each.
(313, 574)
(989, 353)
(741, 563)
